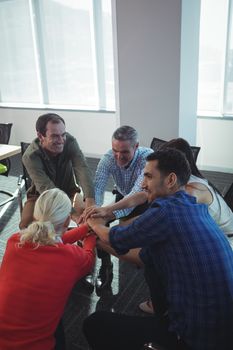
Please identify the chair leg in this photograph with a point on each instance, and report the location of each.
(6, 200)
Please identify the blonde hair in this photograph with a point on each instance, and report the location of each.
(51, 210)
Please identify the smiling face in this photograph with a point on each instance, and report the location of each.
(156, 184)
(123, 152)
(54, 139)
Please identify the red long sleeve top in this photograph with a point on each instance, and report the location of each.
(35, 284)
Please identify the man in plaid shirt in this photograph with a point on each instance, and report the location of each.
(124, 163)
(178, 237)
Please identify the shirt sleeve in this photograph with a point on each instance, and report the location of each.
(149, 228)
(81, 170)
(101, 178)
(75, 234)
(136, 188)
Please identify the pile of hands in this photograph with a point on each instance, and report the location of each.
(94, 215)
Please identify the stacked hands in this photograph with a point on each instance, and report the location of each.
(95, 217)
(93, 212)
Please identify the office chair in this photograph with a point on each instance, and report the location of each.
(156, 143)
(228, 197)
(5, 164)
(24, 179)
(25, 176)
(5, 132)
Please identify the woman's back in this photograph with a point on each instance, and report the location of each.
(34, 287)
(218, 208)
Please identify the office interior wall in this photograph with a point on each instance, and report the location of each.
(148, 42)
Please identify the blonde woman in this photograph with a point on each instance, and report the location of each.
(39, 269)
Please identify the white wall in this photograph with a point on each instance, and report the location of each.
(92, 130)
(148, 42)
(216, 139)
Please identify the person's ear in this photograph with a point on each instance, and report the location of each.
(40, 136)
(171, 180)
(136, 146)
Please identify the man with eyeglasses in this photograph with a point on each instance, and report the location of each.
(54, 159)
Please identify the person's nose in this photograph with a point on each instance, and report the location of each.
(118, 156)
(143, 185)
(61, 139)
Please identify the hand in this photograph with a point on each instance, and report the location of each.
(97, 212)
(87, 212)
(95, 221)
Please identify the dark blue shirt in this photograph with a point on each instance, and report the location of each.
(180, 237)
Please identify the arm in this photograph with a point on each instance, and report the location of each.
(98, 226)
(132, 256)
(82, 172)
(200, 191)
(106, 212)
(101, 178)
(129, 206)
(75, 234)
(129, 201)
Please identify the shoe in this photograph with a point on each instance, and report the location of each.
(147, 307)
(104, 278)
(89, 282)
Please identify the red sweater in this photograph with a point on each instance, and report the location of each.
(35, 285)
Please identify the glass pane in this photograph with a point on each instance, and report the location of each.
(228, 105)
(17, 59)
(108, 54)
(213, 26)
(68, 48)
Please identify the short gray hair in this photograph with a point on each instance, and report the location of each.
(126, 133)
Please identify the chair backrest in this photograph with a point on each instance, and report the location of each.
(26, 177)
(5, 133)
(157, 143)
(228, 197)
(196, 151)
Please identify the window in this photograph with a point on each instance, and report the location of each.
(215, 88)
(57, 53)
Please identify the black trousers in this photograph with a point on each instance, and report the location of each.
(156, 286)
(60, 337)
(111, 331)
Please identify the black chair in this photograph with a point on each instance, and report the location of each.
(156, 143)
(228, 197)
(152, 346)
(25, 176)
(5, 133)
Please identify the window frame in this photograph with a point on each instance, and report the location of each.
(40, 62)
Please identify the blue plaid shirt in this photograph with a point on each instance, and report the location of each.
(180, 237)
(128, 180)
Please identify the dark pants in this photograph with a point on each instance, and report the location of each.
(156, 286)
(60, 337)
(110, 331)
